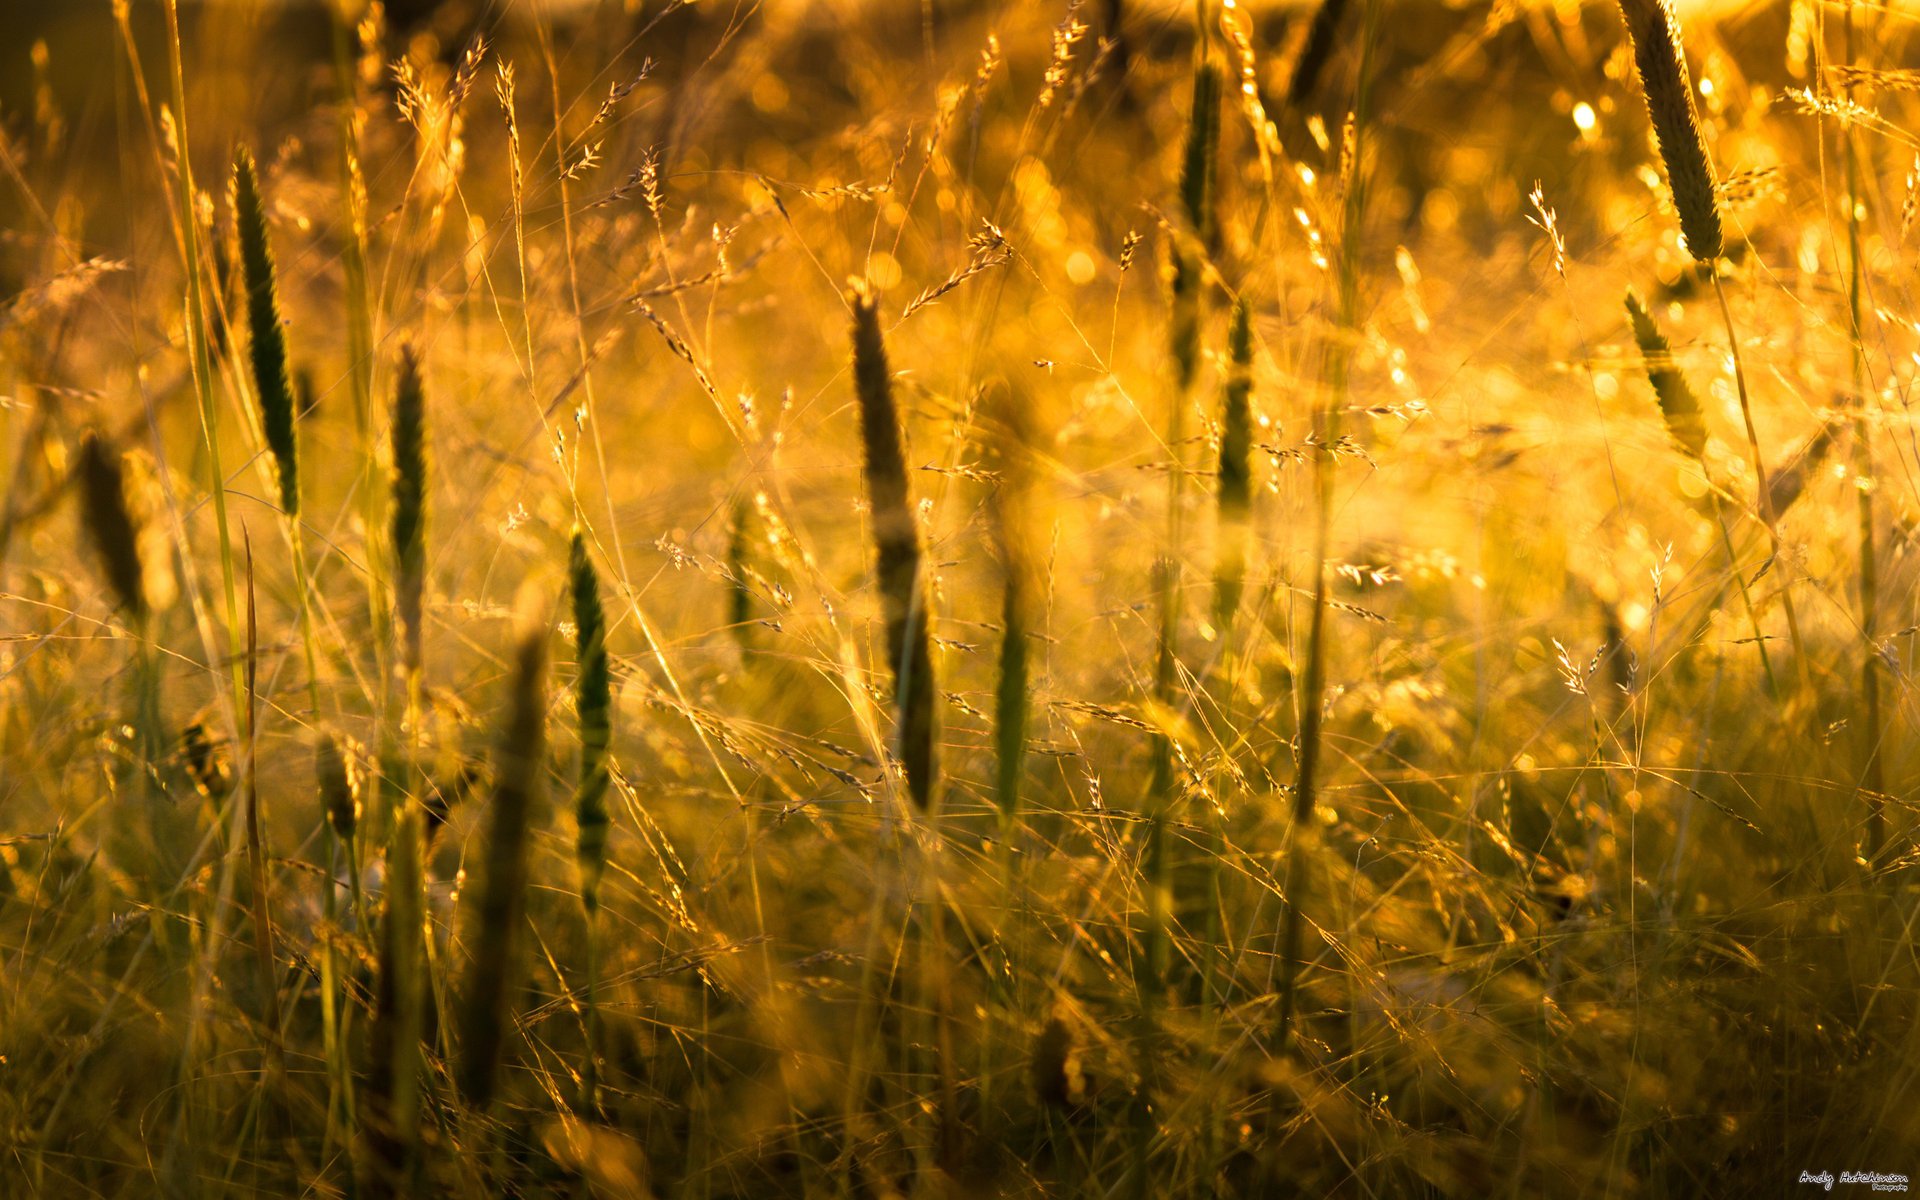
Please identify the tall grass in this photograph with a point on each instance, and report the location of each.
(1349, 787)
(593, 701)
(492, 974)
(897, 558)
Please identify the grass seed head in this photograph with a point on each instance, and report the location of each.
(897, 546)
(110, 522)
(268, 344)
(499, 909)
(1315, 52)
(409, 516)
(1199, 167)
(1657, 52)
(1678, 404)
(339, 779)
(593, 699)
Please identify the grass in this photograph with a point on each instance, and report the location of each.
(1358, 712)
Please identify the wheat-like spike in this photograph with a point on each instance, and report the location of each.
(1681, 408)
(110, 522)
(1199, 165)
(268, 339)
(519, 772)
(897, 547)
(1236, 464)
(339, 781)
(593, 698)
(1315, 52)
(1787, 484)
(1662, 63)
(409, 515)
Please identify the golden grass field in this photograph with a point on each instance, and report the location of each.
(958, 598)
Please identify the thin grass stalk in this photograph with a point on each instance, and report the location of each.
(1199, 167)
(199, 359)
(593, 701)
(201, 370)
(1660, 60)
(903, 591)
(256, 851)
(1768, 515)
(1874, 735)
(1234, 507)
(1011, 700)
(1232, 522)
(267, 358)
(1014, 518)
(1187, 285)
(353, 262)
(1312, 696)
(492, 977)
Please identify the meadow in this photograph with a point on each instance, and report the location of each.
(958, 598)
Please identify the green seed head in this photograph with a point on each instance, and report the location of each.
(339, 780)
(594, 699)
(268, 337)
(110, 521)
(1678, 404)
(1662, 64)
(409, 513)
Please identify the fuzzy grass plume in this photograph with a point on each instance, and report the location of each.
(109, 522)
(1662, 63)
(903, 591)
(336, 774)
(486, 1003)
(1199, 171)
(1681, 408)
(1200, 158)
(1315, 51)
(267, 336)
(409, 507)
(593, 699)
